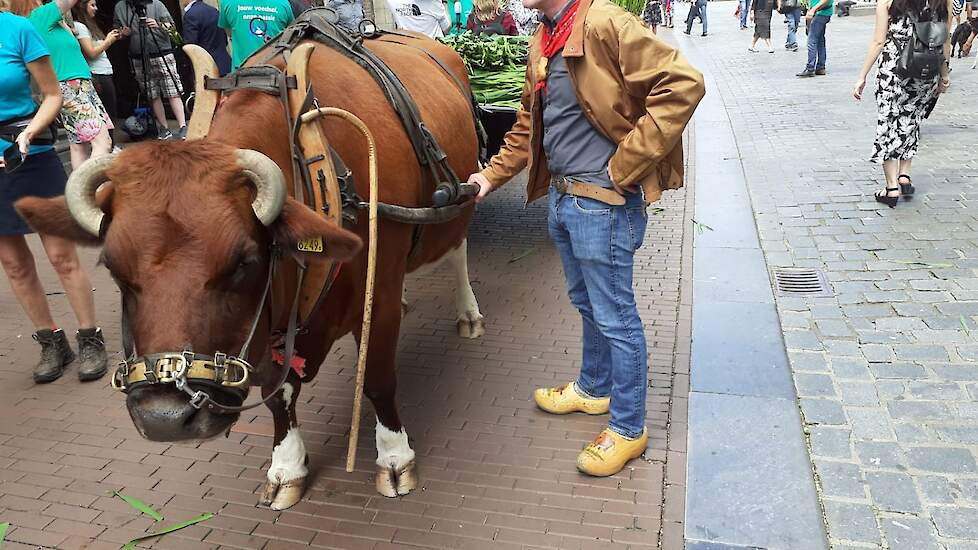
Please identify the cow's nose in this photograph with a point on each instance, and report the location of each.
(164, 413)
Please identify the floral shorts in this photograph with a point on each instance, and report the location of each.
(82, 113)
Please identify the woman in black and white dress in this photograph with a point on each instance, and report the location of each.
(901, 101)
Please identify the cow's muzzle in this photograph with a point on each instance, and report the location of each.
(161, 412)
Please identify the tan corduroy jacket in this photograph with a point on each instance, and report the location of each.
(633, 87)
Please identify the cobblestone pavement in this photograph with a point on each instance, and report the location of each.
(885, 367)
(495, 471)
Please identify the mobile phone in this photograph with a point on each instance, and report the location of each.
(12, 159)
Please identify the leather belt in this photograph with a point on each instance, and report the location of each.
(586, 190)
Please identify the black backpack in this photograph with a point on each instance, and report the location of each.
(923, 54)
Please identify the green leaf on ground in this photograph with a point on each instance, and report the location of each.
(3, 531)
(139, 505)
(167, 530)
(964, 323)
(700, 227)
(653, 210)
(521, 255)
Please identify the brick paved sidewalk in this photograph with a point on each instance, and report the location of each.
(885, 368)
(495, 471)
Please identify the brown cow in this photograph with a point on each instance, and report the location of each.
(190, 255)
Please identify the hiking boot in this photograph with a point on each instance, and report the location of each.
(93, 361)
(820, 72)
(55, 355)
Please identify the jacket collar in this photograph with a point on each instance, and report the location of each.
(575, 42)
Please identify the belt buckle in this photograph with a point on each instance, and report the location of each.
(561, 184)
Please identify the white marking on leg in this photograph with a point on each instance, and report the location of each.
(393, 449)
(287, 392)
(466, 305)
(288, 458)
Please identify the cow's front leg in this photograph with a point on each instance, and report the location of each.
(287, 474)
(396, 473)
(470, 322)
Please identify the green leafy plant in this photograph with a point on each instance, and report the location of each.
(496, 65)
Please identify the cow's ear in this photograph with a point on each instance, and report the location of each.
(301, 230)
(51, 217)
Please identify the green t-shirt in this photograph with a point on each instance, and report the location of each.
(827, 10)
(252, 23)
(66, 55)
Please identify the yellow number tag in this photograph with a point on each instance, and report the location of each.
(311, 245)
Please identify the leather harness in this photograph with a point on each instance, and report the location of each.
(325, 184)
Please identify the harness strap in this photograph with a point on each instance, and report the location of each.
(255, 78)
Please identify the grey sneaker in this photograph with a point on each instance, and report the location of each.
(181, 133)
(164, 134)
(93, 361)
(55, 355)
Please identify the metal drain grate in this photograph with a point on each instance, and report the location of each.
(794, 281)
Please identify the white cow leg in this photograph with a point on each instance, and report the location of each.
(287, 474)
(396, 470)
(470, 322)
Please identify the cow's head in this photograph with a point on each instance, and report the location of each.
(187, 232)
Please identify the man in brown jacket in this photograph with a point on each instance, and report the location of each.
(600, 128)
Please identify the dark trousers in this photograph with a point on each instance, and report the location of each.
(816, 43)
(696, 9)
(105, 88)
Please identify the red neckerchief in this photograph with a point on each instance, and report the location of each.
(553, 42)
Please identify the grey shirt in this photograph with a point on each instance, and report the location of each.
(156, 40)
(574, 147)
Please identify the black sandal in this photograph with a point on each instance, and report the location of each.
(885, 198)
(906, 189)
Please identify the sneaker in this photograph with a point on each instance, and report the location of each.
(181, 133)
(704, 34)
(820, 72)
(93, 360)
(566, 399)
(751, 49)
(164, 134)
(55, 355)
(807, 73)
(770, 50)
(609, 452)
(791, 47)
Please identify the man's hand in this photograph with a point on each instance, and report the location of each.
(151, 23)
(944, 84)
(126, 31)
(622, 189)
(484, 186)
(24, 143)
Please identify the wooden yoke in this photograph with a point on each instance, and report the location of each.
(314, 147)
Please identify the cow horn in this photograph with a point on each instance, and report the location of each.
(80, 193)
(205, 101)
(269, 183)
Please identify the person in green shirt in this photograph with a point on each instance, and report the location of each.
(817, 19)
(82, 113)
(252, 23)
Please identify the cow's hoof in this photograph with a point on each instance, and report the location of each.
(471, 328)
(391, 482)
(279, 496)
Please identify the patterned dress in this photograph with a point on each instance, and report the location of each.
(652, 14)
(901, 101)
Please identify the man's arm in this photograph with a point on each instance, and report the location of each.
(816, 8)
(672, 89)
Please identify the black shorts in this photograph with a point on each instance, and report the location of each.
(41, 175)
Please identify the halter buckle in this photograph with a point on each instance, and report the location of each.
(198, 399)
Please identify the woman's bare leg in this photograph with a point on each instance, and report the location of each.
(18, 264)
(74, 279)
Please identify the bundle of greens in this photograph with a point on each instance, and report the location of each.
(496, 65)
(633, 6)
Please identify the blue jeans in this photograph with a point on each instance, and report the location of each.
(816, 43)
(597, 245)
(697, 8)
(744, 12)
(794, 18)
